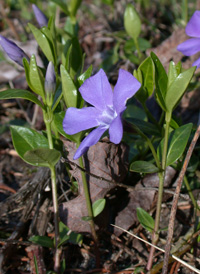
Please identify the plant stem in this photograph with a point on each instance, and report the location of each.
(90, 212)
(138, 48)
(88, 201)
(47, 119)
(161, 175)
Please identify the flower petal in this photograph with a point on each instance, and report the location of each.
(127, 85)
(76, 120)
(190, 46)
(97, 91)
(193, 27)
(197, 63)
(40, 17)
(90, 140)
(13, 51)
(116, 130)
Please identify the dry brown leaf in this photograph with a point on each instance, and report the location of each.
(105, 160)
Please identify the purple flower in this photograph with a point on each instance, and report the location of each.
(40, 17)
(50, 79)
(192, 45)
(106, 110)
(13, 51)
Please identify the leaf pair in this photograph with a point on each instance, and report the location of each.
(170, 89)
(33, 147)
(177, 142)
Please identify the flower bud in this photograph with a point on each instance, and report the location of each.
(40, 17)
(50, 83)
(13, 51)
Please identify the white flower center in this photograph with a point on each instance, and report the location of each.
(108, 115)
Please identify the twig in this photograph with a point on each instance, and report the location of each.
(175, 200)
(162, 250)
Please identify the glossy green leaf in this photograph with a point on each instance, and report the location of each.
(177, 88)
(177, 143)
(20, 93)
(51, 41)
(132, 22)
(143, 167)
(145, 219)
(161, 80)
(43, 42)
(25, 139)
(147, 74)
(42, 241)
(69, 90)
(172, 73)
(98, 206)
(58, 121)
(36, 78)
(45, 157)
(85, 75)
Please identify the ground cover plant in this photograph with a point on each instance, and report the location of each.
(99, 137)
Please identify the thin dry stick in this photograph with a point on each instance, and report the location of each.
(162, 250)
(175, 201)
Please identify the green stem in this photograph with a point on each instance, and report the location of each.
(185, 11)
(190, 193)
(161, 176)
(138, 48)
(48, 120)
(88, 202)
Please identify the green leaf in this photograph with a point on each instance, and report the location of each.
(62, 5)
(69, 90)
(161, 80)
(25, 139)
(75, 57)
(44, 43)
(85, 75)
(145, 127)
(36, 78)
(98, 206)
(20, 93)
(172, 73)
(132, 22)
(177, 143)
(58, 121)
(51, 40)
(143, 167)
(66, 235)
(147, 72)
(42, 240)
(73, 7)
(45, 157)
(145, 219)
(177, 88)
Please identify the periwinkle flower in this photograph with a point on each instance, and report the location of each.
(50, 83)
(106, 110)
(192, 45)
(50, 79)
(13, 51)
(40, 17)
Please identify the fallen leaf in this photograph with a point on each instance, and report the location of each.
(105, 160)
